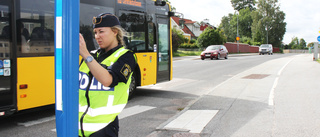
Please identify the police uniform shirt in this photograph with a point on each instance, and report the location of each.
(122, 68)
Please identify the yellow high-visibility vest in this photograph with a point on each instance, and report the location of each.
(99, 105)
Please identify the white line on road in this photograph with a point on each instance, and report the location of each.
(133, 111)
(192, 120)
(35, 122)
(275, 83)
(271, 96)
(280, 71)
(130, 111)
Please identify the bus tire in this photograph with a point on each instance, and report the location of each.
(133, 85)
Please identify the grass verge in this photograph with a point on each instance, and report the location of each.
(181, 53)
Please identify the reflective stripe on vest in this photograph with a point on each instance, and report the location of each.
(105, 102)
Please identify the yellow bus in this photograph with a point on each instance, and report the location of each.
(27, 46)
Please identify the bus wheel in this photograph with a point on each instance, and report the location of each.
(133, 85)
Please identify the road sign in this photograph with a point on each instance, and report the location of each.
(319, 38)
(238, 38)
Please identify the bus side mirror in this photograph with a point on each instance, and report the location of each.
(171, 14)
(160, 3)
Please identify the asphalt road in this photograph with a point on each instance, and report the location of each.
(196, 85)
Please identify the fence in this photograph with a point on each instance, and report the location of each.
(233, 48)
(297, 51)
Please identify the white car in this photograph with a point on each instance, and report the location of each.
(265, 49)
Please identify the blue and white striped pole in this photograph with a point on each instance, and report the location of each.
(66, 66)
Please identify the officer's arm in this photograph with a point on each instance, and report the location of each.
(100, 73)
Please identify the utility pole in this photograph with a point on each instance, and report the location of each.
(267, 34)
(316, 51)
(238, 38)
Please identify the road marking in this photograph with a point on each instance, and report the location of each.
(134, 110)
(192, 120)
(129, 112)
(275, 83)
(271, 96)
(35, 122)
(280, 71)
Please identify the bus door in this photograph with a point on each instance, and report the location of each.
(7, 95)
(163, 49)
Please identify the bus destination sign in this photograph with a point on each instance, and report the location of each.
(130, 2)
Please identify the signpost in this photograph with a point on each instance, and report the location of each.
(66, 66)
(238, 38)
(316, 49)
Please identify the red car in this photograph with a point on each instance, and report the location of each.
(215, 51)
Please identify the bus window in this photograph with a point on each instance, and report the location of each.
(6, 94)
(86, 21)
(134, 24)
(5, 31)
(35, 28)
(151, 37)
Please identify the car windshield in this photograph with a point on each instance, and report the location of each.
(264, 46)
(213, 48)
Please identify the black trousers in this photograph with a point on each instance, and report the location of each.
(111, 130)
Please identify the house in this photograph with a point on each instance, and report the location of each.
(192, 28)
(175, 24)
(204, 25)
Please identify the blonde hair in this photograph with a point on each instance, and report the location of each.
(121, 34)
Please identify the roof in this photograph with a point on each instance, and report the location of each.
(185, 27)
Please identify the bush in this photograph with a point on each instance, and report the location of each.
(211, 37)
(177, 39)
(192, 41)
(189, 45)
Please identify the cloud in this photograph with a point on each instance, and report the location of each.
(200, 10)
(302, 16)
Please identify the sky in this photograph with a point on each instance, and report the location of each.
(302, 16)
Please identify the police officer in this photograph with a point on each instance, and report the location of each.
(104, 78)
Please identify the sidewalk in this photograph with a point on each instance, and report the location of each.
(277, 98)
(198, 57)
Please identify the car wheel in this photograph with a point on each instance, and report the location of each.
(133, 85)
(218, 56)
(226, 57)
(202, 58)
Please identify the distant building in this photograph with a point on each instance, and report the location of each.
(192, 28)
(175, 25)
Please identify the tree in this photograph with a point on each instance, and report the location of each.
(297, 44)
(294, 44)
(268, 23)
(303, 43)
(230, 31)
(211, 37)
(311, 44)
(243, 21)
(177, 39)
(243, 4)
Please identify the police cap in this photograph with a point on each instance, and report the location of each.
(105, 20)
